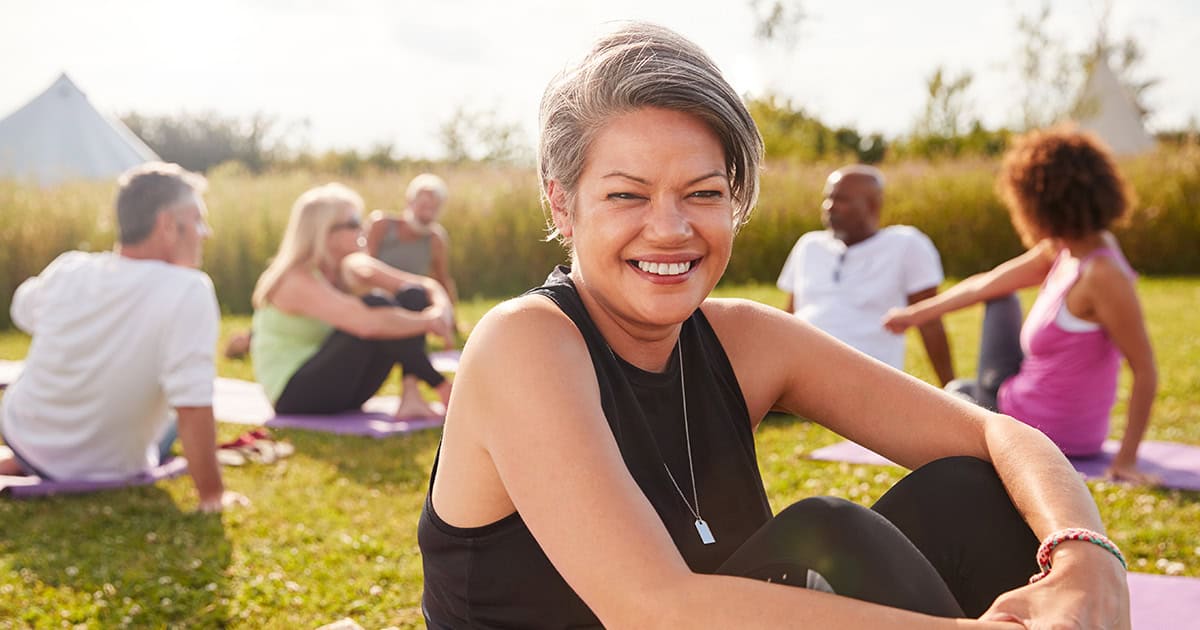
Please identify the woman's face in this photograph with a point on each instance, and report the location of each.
(653, 220)
(345, 235)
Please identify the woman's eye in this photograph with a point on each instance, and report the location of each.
(708, 194)
(622, 196)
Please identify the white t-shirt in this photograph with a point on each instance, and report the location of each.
(116, 343)
(845, 291)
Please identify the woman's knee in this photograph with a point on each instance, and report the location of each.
(823, 518)
(959, 476)
(413, 298)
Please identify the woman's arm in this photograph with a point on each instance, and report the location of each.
(377, 227)
(363, 273)
(1026, 270)
(301, 292)
(1114, 303)
(913, 423)
(439, 265)
(526, 431)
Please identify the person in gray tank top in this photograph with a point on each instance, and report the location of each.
(415, 242)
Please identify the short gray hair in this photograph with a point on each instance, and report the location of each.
(146, 190)
(427, 182)
(861, 170)
(644, 65)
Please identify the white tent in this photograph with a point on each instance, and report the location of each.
(1109, 110)
(59, 136)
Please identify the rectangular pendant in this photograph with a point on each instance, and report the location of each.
(706, 536)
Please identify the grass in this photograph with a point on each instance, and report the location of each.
(332, 530)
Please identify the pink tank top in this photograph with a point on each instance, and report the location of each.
(1068, 381)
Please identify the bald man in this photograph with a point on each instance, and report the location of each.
(845, 278)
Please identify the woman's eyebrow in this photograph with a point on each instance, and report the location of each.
(640, 180)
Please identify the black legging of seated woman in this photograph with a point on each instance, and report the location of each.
(347, 370)
(945, 541)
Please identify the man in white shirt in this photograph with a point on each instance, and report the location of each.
(119, 340)
(845, 278)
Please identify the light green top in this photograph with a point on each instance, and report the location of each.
(280, 345)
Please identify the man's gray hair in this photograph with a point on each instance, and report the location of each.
(644, 65)
(148, 189)
(862, 170)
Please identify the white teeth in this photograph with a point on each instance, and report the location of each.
(664, 269)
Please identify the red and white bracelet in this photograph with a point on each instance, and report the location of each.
(1057, 538)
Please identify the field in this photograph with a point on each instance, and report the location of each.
(332, 530)
(497, 226)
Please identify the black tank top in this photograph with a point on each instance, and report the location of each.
(496, 576)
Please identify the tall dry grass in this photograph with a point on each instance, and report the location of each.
(496, 223)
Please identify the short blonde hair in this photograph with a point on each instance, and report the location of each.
(427, 182)
(644, 65)
(313, 215)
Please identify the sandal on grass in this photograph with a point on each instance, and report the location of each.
(253, 446)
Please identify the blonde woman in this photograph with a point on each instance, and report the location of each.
(330, 321)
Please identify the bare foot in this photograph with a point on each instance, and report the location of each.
(414, 407)
(8, 463)
(238, 345)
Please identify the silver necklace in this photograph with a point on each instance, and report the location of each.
(706, 535)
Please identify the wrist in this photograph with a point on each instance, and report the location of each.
(1065, 548)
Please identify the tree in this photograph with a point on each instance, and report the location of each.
(1049, 75)
(790, 133)
(1124, 56)
(778, 21)
(946, 109)
(200, 141)
(481, 136)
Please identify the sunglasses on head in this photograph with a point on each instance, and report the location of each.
(353, 223)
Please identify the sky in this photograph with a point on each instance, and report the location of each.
(358, 73)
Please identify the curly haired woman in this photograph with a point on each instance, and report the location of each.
(1058, 371)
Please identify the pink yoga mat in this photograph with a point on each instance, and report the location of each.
(27, 487)
(1177, 464)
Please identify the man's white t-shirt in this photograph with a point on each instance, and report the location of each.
(117, 343)
(845, 291)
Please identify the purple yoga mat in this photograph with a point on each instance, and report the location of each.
(1163, 601)
(1177, 464)
(27, 487)
(367, 423)
(244, 402)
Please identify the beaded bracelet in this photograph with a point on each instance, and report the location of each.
(1063, 535)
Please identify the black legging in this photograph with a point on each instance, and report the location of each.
(945, 541)
(1000, 354)
(347, 370)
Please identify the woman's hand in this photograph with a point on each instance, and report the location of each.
(1085, 589)
(1121, 470)
(227, 499)
(440, 321)
(897, 320)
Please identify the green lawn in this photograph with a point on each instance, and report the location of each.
(332, 530)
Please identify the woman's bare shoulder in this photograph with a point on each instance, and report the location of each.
(520, 324)
(743, 319)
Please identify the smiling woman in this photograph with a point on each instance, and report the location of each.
(598, 462)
